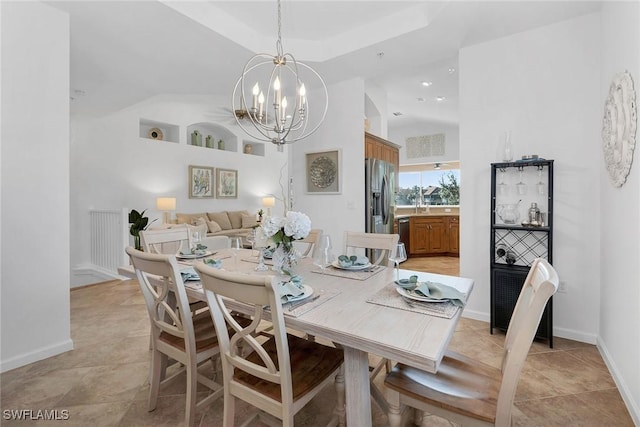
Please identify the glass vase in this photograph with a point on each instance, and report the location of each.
(285, 258)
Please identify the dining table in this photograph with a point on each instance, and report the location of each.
(362, 311)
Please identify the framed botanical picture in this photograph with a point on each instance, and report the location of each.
(227, 180)
(323, 172)
(200, 182)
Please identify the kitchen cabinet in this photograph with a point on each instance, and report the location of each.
(515, 240)
(454, 235)
(433, 235)
(379, 148)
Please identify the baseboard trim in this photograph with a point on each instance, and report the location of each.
(36, 355)
(88, 274)
(632, 406)
(574, 335)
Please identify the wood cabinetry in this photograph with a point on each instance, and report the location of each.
(379, 148)
(434, 235)
(454, 235)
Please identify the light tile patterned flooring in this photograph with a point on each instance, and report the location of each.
(102, 382)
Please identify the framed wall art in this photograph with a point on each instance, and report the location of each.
(323, 172)
(227, 183)
(200, 182)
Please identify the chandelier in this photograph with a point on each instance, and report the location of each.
(282, 115)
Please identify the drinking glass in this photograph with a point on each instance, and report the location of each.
(323, 256)
(521, 186)
(541, 185)
(236, 245)
(251, 239)
(502, 187)
(400, 256)
(195, 241)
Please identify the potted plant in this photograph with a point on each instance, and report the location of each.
(138, 222)
(260, 213)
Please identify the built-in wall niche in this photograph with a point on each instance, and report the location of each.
(253, 148)
(220, 137)
(159, 131)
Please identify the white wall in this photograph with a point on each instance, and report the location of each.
(543, 85)
(113, 168)
(620, 209)
(35, 183)
(342, 129)
(375, 109)
(399, 135)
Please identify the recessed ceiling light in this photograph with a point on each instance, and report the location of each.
(397, 113)
(452, 70)
(426, 84)
(440, 98)
(420, 99)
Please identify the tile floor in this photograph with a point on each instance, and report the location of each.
(103, 381)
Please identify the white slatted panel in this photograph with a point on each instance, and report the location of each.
(108, 238)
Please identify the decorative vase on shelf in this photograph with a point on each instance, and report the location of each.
(209, 141)
(220, 144)
(196, 138)
(285, 258)
(507, 148)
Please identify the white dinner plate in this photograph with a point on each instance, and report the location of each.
(412, 295)
(308, 291)
(194, 256)
(336, 264)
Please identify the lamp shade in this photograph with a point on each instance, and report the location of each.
(268, 202)
(166, 203)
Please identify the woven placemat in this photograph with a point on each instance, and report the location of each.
(351, 274)
(389, 297)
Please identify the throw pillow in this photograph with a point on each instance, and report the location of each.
(214, 227)
(221, 218)
(249, 221)
(184, 218)
(235, 217)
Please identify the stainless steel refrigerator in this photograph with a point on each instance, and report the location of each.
(380, 187)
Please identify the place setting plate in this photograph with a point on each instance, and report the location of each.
(195, 256)
(413, 296)
(336, 264)
(306, 293)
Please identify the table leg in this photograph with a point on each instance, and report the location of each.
(356, 374)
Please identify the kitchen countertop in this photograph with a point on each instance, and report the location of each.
(422, 214)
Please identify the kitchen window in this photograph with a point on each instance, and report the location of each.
(433, 184)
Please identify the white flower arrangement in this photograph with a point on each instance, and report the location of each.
(279, 230)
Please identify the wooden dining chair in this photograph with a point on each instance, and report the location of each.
(469, 392)
(385, 244)
(283, 372)
(175, 332)
(216, 242)
(311, 241)
(166, 240)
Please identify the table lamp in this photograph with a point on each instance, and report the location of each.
(268, 202)
(166, 205)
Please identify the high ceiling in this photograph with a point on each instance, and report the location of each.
(125, 51)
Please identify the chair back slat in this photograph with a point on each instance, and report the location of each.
(386, 243)
(164, 293)
(311, 240)
(166, 241)
(541, 283)
(257, 292)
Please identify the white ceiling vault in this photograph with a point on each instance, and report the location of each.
(125, 51)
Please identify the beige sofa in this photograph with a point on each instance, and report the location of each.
(225, 223)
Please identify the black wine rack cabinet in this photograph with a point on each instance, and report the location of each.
(514, 247)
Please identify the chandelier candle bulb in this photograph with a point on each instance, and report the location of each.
(261, 104)
(256, 91)
(303, 92)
